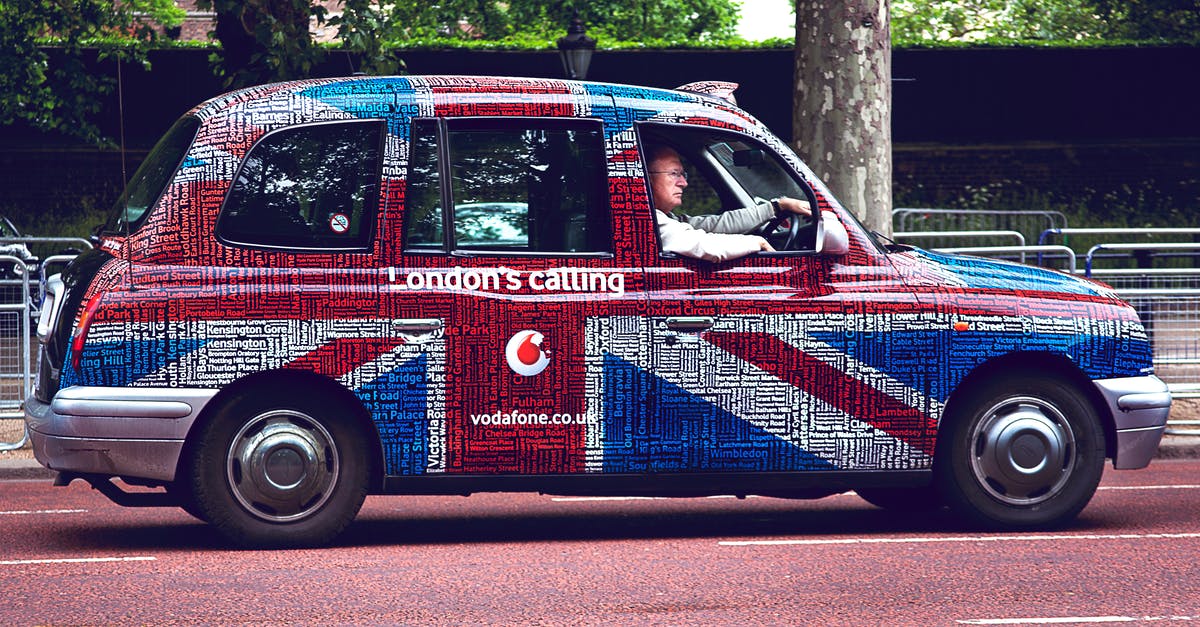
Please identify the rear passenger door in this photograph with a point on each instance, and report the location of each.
(509, 219)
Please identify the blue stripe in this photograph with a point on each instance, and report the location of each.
(398, 402)
(120, 364)
(653, 425)
(934, 362)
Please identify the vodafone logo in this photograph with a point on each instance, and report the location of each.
(525, 354)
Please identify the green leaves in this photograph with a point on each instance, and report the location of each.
(63, 97)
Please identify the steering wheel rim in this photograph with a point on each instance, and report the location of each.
(793, 231)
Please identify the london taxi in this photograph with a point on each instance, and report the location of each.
(319, 290)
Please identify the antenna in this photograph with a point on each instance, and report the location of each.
(124, 175)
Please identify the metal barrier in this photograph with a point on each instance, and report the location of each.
(1172, 321)
(962, 236)
(1017, 253)
(16, 372)
(1028, 223)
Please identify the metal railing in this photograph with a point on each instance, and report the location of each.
(16, 374)
(1028, 223)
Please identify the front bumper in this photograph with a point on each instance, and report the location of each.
(127, 432)
(1139, 407)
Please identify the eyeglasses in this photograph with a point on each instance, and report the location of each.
(675, 174)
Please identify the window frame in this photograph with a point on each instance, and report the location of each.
(370, 221)
(445, 125)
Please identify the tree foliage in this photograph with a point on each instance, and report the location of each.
(63, 96)
(915, 21)
(614, 20)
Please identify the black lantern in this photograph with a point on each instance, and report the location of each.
(576, 49)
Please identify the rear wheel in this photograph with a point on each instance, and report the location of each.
(279, 472)
(1023, 452)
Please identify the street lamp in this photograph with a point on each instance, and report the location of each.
(576, 49)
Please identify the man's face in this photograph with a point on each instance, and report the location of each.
(664, 184)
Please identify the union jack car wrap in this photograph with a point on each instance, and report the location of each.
(199, 345)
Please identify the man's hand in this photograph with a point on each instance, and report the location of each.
(765, 246)
(792, 205)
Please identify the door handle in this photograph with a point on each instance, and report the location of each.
(690, 324)
(417, 326)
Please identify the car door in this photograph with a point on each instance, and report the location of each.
(513, 229)
(771, 362)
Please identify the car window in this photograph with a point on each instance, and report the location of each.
(758, 175)
(307, 187)
(729, 171)
(151, 177)
(525, 186)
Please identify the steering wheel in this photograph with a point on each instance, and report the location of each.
(767, 229)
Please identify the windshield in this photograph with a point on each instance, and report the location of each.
(152, 177)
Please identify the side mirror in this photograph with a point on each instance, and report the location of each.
(748, 157)
(832, 239)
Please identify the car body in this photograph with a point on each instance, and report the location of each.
(276, 323)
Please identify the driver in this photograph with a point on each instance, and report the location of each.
(718, 237)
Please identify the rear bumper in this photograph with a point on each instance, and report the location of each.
(1139, 407)
(128, 432)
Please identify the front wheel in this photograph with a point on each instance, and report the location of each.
(279, 472)
(1023, 452)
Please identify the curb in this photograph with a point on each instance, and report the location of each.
(1172, 447)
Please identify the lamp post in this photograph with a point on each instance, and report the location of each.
(576, 49)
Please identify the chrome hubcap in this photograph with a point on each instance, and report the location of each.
(282, 466)
(1023, 451)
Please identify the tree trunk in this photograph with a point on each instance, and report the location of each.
(842, 113)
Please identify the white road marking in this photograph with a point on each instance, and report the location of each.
(1149, 487)
(26, 512)
(576, 499)
(1074, 620)
(79, 560)
(950, 539)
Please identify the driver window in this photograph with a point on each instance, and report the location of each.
(725, 172)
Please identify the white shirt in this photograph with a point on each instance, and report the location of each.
(717, 237)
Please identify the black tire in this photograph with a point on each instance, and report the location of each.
(911, 500)
(1020, 452)
(268, 472)
(182, 493)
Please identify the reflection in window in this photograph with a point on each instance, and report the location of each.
(423, 196)
(513, 189)
(307, 187)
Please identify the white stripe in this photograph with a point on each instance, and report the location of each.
(1073, 620)
(1149, 487)
(22, 512)
(79, 560)
(1049, 621)
(576, 499)
(952, 539)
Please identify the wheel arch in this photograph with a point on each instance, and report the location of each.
(287, 382)
(1050, 364)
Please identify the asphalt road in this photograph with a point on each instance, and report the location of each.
(71, 557)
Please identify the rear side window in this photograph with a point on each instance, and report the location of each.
(307, 187)
(516, 186)
(151, 177)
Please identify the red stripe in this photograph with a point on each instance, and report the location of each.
(831, 385)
